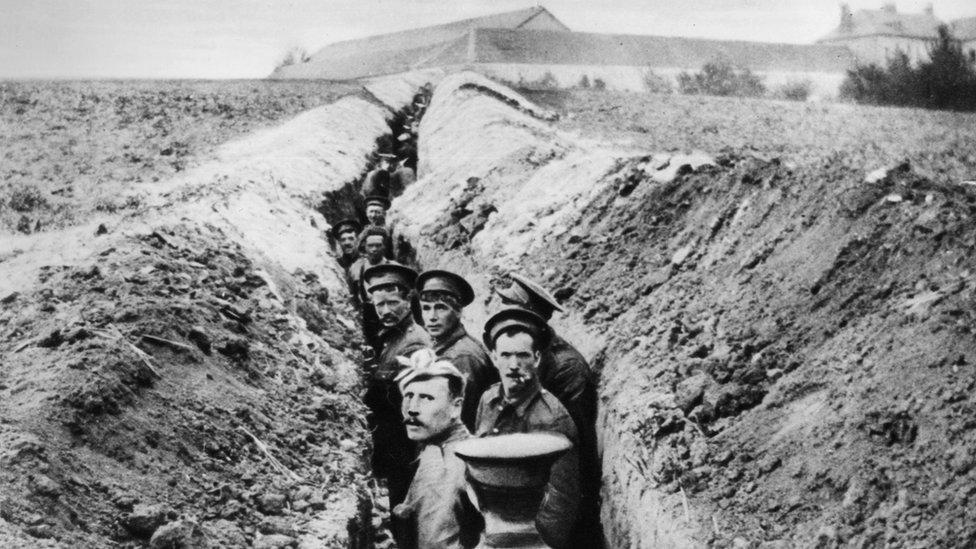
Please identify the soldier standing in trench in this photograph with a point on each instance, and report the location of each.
(390, 288)
(437, 508)
(519, 404)
(373, 241)
(565, 373)
(443, 296)
(345, 234)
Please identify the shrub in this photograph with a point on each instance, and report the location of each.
(546, 82)
(796, 90)
(946, 81)
(599, 84)
(26, 198)
(654, 83)
(293, 57)
(584, 82)
(721, 78)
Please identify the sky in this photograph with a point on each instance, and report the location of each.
(218, 39)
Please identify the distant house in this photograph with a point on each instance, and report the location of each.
(876, 35)
(533, 46)
(965, 31)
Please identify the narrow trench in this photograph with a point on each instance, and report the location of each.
(371, 528)
(348, 202)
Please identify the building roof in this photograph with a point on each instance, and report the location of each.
(385, 53)
(885, 22)
(577, 48)
(964, 29)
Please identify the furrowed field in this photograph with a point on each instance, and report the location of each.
(941, 145)
(68, 149)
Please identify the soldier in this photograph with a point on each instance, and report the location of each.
(390, 287)
(373, 240)
(519, 404)
(436, 510)
(345, 233)
(443, 295)
(564, 372)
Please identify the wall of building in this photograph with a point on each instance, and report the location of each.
(629, 78)
(877, 49)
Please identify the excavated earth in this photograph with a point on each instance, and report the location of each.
(186, 375)
(785, 349)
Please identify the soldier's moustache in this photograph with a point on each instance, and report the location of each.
(413, 421)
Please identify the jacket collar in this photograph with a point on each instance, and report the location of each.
(522, 404)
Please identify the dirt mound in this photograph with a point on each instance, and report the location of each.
(185, 375)
(784, 347)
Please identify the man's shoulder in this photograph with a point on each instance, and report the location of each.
(550, 414)
(467, 346)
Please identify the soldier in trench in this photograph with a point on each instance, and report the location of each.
(373, 241)
(437, 509)
(443, 296)
(565, 373)
(519, 404)
(345, 233)
(390, 288)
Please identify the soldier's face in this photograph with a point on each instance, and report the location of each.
(376, 215)
(391, 306)
(428, 409)
(517, 363)
(439, 318)
(347, 242)
(375, 248)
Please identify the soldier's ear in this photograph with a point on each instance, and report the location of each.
(456, 406)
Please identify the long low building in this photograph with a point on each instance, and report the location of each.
(532, 46)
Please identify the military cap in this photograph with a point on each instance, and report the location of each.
(517, 317)
(445, 281)
(387, 274)
(346, 225)
(517, 460)
(530, 295)
(424, 364)
(376, 187)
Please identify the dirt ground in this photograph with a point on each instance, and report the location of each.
(784, 335)
(783, 332)
(71, 148)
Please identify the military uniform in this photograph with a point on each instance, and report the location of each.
(465, 352)
(537, 411)
(393, 452)
(371, 323)
(469, 356)
(565, 373)
(437, 508)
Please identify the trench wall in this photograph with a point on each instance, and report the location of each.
(497, 187)
(783, 350)
(256, 200)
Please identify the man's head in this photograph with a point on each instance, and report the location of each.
(390, 288)
(442, 296)
(527, 294)
(346, 234)
(516, 339)
(433, 393)
(376, 211)
(374, 241)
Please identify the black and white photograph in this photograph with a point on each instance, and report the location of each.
(459, 274)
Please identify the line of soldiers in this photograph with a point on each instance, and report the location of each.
(431, 385)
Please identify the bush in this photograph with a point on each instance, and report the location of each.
(584, 82)
(26, 198)
(797, 90)
(946, 81)
(654, 83)
(721, 78)
(599, 84)
(546, 82)
(293, 57)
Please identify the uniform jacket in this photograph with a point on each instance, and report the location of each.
(437, 505)
(540, 411)
(469, 356)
